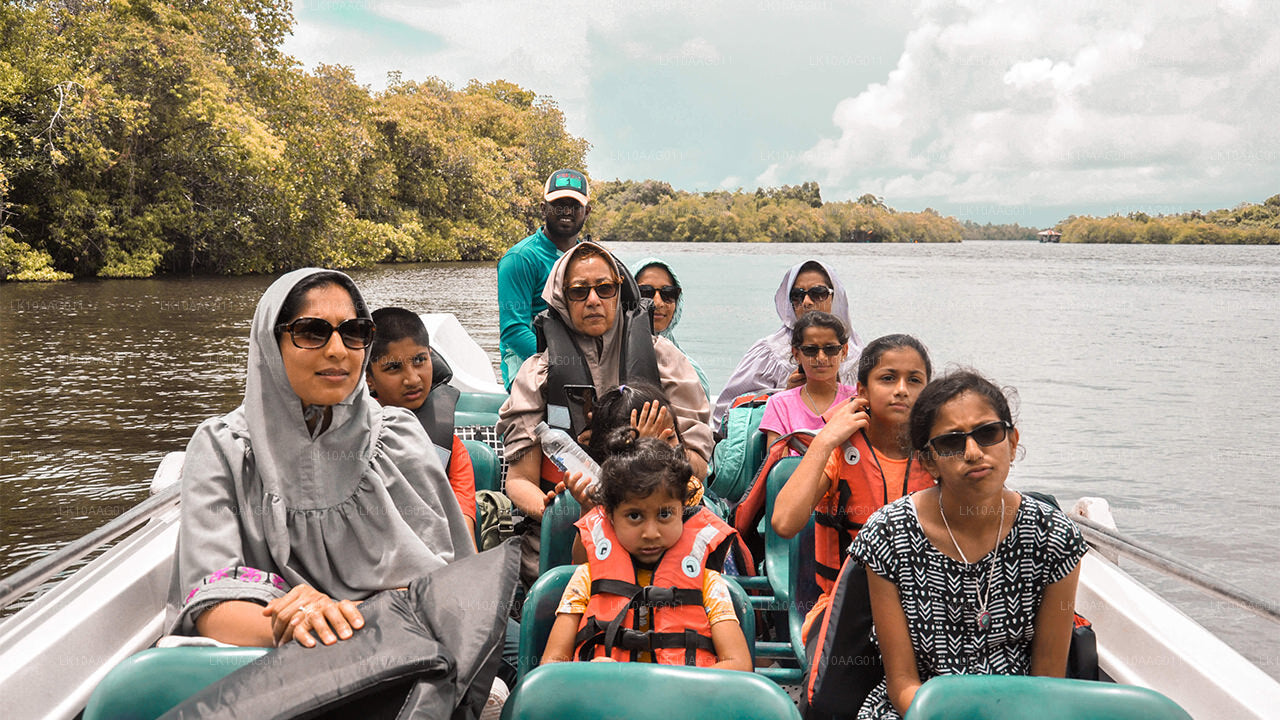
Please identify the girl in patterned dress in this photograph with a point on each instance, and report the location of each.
(969, 577)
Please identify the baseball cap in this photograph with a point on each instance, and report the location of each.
(566, 183)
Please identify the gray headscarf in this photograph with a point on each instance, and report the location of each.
(670, 332)
(361, 507)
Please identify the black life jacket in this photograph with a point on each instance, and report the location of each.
(437, 412)
(569, 376)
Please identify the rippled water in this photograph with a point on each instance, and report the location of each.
(1147, 375)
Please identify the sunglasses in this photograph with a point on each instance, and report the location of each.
(310, 333)
(954, 443)
(817, 293)
(669, 293)
(811, 351)
(604, 291)
(569, 181)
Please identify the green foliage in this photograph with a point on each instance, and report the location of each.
(651, 211)
(144, 136)
(1246, 224)
(1013, 231)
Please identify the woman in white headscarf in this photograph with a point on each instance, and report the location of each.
(309, 497)
(768, 364)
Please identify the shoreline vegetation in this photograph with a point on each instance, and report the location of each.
(144, 138)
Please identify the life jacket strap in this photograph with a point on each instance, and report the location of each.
(636, 641)
(647, 595)
(839, 521)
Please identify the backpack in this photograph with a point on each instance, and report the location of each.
(737, 457)
(493, 519)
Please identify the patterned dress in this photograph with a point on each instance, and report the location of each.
(940, 596)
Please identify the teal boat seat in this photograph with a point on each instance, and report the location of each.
(484, 461)
(1006, 697)
(776, 590)
(558, 532)
(481, 402)
(543, 598)
(644, 690)
(477, 408)
(148, 684)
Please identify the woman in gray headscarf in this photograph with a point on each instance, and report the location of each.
(768, 364)
(658, 282)
(309, 497)
(585, 290)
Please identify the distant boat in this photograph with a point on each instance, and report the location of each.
(1047, 236)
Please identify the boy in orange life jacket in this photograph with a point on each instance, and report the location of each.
(858, 462)
(645, 582)
(400, 373)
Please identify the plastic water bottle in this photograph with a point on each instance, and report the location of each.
(567, 455)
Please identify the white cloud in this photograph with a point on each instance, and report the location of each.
(1029, 102)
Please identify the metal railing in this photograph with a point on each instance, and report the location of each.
(1107, 538)
(20, 583)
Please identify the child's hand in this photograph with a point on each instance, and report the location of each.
(603, 659)
(654, 420)
(550, 497)
(578, 485)
(795, 379)
(845, 419)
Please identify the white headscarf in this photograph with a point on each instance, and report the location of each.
(767, 364)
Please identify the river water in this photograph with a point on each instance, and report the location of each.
(1147, 375)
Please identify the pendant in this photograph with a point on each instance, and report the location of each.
(851, 454)
(984, 620)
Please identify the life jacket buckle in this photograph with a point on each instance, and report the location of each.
(629, 639)
(657, 596)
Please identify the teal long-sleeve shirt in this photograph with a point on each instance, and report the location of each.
(522, 273)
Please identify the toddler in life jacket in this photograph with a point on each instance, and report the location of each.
(645, 593)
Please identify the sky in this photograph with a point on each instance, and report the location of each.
(1016, 111)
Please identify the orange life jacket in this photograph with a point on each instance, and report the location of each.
(679, 632)
(862, 489)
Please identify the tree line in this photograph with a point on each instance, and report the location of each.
(653, 211)
(146, 137)
(1246, 224)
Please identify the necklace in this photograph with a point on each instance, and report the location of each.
(884, 479)
(813, 405)
(984, 617)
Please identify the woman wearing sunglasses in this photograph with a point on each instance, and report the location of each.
(768, 364)
(969, 577)
(597, 336)
(657, 281)
(309, 497)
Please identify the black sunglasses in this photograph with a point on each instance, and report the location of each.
(811, 351)
(669, 293)
(310, 333)
(604, 291)
(953, 443)
(817, 293)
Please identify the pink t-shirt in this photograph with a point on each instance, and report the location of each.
(787, 411)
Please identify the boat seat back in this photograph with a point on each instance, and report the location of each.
(484, 462)
(955, 696)
(777, 590)
(148, 684)
(558, 532)
(477, 408)
(643, 691)
(539, 614)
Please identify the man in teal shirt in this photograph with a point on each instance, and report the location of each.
(523, 270)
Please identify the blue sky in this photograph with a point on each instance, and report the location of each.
(996, 111)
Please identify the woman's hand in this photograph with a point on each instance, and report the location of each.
(304, 610)
(654, 420)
